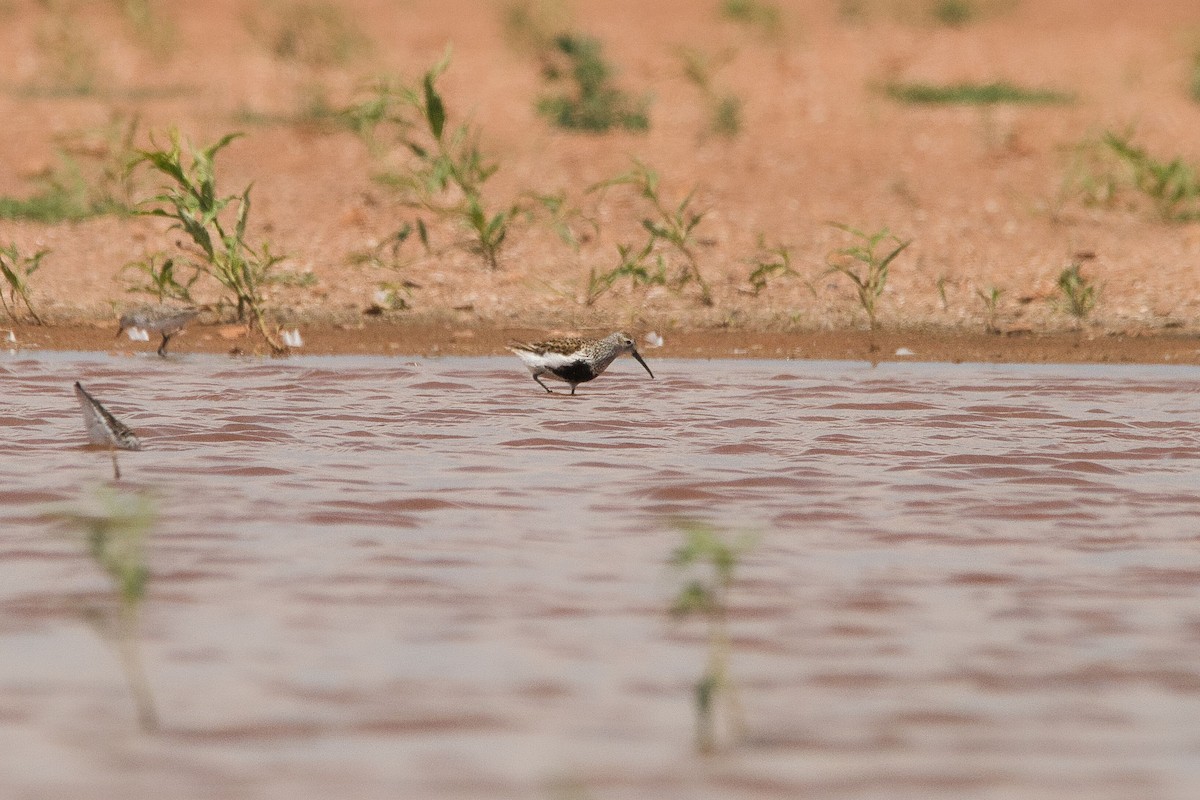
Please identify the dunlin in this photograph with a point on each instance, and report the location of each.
(161, 318)
(574, 361)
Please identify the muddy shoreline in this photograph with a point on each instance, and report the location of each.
(433, 338)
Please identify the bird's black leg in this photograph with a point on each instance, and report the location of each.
(544, 386)
(573, 385)
(162, 348)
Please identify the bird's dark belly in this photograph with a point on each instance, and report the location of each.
(575, 372)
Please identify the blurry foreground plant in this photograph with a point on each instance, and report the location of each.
(706, 562)
(114, 527)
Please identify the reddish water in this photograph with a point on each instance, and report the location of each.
(383, 578)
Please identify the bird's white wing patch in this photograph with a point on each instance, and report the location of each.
(555, 360)
(547, 360)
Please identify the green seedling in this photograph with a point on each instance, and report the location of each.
(950, 13)
(991, 305)
(954, 13)
(727, 116)
(563, 217)
(221, 251)
(91, 176)
(594, 104)
(866, 268)
(381, 113)
(1172, 185)
(772, 263)
(941, 284)
(391, 296)
(448, 171)
(725, 108)
(667, 226)
(706, 562)
(1077, 294)
(488, 231)
(765, 17)
(387, 254)
(17, 270)
(162, 282)
(976, 94)
(114, 527)
(639, 266)
(1089, 176)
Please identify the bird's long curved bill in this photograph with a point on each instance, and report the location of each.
(636, 355)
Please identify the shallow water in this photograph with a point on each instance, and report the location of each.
(382, 578)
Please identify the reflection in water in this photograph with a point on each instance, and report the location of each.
(428, 579)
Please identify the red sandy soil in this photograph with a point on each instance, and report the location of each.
(989, 196)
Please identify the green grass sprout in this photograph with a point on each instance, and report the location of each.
(1172, 186)
(667, 226)
(991, 305)
(91, 176)
(448, 169)
(866, 268)
(995, 93)
(770, 263)
(1077, 293)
